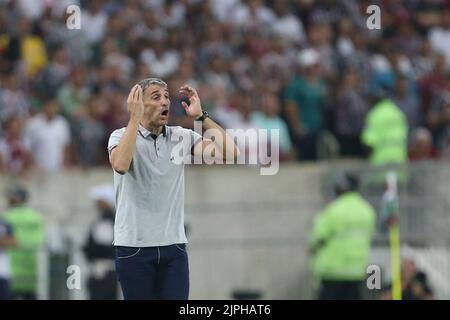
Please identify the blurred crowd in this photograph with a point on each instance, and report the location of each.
(310, 68)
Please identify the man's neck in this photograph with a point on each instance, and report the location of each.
(157, 130)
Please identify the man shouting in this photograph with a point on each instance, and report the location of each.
(151, 257)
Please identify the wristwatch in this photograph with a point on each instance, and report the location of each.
(203, 116)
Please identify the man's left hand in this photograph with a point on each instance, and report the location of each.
(194, 109)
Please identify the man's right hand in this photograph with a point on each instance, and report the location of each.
(135, 103)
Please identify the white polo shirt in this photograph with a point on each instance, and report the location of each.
(150, 196)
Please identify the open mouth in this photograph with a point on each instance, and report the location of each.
(165, 113)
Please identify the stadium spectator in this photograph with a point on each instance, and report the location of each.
(252, 14)
(407, 102)
(415, 284)
(320, 39)
(286, 24)
(351, 109)
(162, 60)
(273, 68)
(439, 118)
(33, 53)
(432, 82)
(440, 36)
(421, 145)
(424, 60)
(15, 156)
(74, 93)
(94, 22)
(89, 133)
(269, 119)
(305, 98)
(28, 226)
(13, 100)
(48, 135)
(56, 73)
(221, 9)
(235, 113)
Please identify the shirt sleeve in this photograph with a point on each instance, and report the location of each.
(114, 140)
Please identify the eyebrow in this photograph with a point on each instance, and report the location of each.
(157, 91)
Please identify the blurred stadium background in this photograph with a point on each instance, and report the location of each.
(256, 64)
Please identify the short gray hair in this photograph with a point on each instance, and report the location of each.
(152, 81)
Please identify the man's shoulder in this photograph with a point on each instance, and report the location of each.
(178, 130)
(172, 128)
(119, 131)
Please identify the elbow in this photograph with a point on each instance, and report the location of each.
(120, 168)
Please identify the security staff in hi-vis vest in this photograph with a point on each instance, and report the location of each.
(340, 242)
(28, 227)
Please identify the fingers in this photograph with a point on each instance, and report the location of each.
(135, 95)
(185, 105)
(131, 95)
(188, 90)
(139, 94)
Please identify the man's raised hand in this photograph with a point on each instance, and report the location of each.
(135, 103)
(194, 109)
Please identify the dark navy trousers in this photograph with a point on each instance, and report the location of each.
(153, 272)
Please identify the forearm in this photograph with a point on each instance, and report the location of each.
(123, 153)
(226, 145)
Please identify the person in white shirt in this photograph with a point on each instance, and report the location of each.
(94, 22)
(15, 156)
(287, 25)
(439, 37)
(49, 138)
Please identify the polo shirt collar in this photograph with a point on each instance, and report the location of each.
(145, 133)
